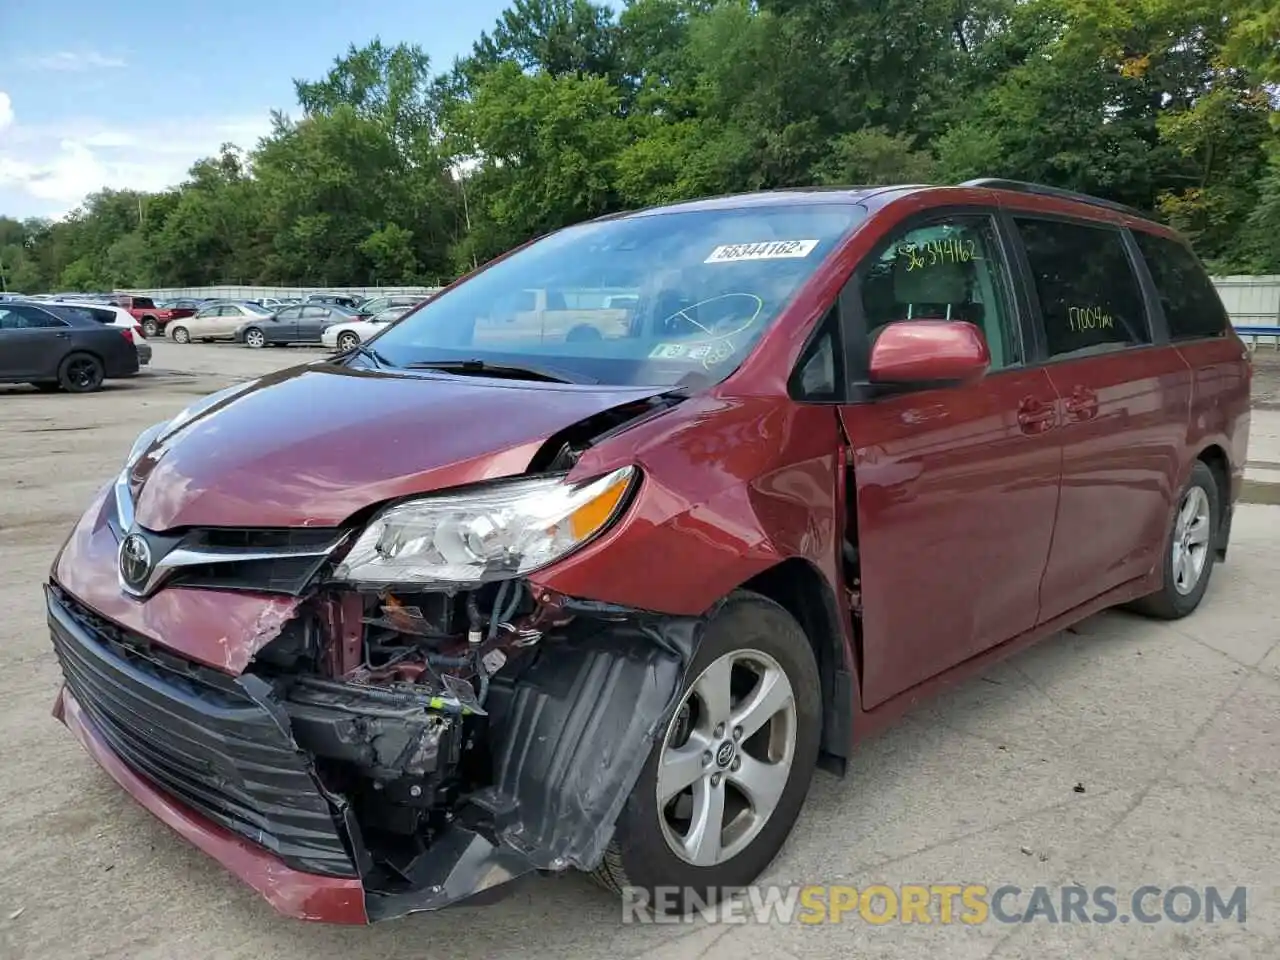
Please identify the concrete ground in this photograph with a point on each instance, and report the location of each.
(1121, 753)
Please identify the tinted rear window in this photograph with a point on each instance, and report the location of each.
(1191, 304)
(1089, 294)
(82, 313)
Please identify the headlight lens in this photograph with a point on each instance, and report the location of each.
(491, 534)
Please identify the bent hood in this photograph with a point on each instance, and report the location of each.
(312, 445)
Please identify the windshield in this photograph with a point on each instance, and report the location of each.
(659, 299)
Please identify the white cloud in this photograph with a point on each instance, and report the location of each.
(6, 110)
(71, 61)
(48, 169)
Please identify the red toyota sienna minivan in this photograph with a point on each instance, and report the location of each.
(590, 560)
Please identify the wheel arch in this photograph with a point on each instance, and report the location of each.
(799, 587)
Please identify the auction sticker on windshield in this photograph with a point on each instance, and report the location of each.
(768, 250)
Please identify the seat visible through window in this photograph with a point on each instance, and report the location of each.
(947, 270)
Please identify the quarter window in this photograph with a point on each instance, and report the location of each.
(1089, 295)
(1191, 304)
(948, 269)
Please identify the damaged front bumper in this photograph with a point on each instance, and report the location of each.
(224, 760)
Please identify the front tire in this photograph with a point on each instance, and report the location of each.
(255, 339)
(724, 785)
(1190, 549)
(181, 335)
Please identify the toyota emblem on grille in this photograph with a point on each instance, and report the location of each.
(135, 561)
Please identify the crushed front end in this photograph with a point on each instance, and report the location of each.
(354, 748)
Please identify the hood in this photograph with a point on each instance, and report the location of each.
(312, 445)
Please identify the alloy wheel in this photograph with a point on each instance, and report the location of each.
(1191, 540)
(726, 757)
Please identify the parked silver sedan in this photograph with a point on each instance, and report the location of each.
(217, 321)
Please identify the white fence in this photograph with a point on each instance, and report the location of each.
(1252, 302)
(234, 292)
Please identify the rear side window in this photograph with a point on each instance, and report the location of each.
(1191, 304)
(1089, 294)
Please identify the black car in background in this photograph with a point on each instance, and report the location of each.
(69, 352)
(349, 300)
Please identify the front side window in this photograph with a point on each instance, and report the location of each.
(1192, 306)
(27, 318)
(947, 269)
(706, 283)
(143, 303)
(1089, 295)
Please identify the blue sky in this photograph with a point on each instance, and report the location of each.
(97, 94)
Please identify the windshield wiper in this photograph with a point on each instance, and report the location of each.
(519, 371)
(370, 354)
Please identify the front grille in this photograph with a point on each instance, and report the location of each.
(205, 742)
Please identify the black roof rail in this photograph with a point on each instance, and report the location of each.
(1039, 189)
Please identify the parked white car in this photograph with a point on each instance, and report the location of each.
(217, 321)
(108, 316)
(348, 334)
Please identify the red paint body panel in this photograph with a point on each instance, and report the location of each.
(731, 488)
(943, 478)
(312, 445)
(304, 896)
(1220, 377)
(1122, 426)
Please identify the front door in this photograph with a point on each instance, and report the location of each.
(956, 487)
(28, 345)
(1125, 405)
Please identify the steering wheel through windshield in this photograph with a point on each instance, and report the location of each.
(722, 326)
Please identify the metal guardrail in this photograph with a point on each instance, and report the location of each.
(1253, 332)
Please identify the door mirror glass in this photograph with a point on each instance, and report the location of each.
(916, 352)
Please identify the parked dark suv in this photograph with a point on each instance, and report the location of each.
(531, 583)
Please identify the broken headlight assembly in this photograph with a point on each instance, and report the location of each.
(495, 532)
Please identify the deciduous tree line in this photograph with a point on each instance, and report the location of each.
(392, 171)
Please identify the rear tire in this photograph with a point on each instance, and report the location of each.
(181, 335)
(348, 341)
(1189, 549)
(150, 327)
(650, 832)
(81, 373)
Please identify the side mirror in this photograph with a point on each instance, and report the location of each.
(929, 352)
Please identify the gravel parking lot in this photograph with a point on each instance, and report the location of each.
(1121, 753)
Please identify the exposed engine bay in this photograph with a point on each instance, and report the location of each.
(389, 692)
(470, 737)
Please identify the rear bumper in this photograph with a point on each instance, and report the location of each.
(304, 896)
